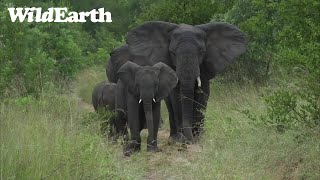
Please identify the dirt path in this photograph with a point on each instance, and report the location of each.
(171, 155)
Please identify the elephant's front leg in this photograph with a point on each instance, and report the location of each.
(134, 125)
(175, 115)
(121, 111)
(153, 133)
(201, 98)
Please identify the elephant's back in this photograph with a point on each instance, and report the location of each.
(118, 57)
(104, 95)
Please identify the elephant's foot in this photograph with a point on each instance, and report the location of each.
(153, 147)
(177, 138)
(188, 136)
(181, 138)
(131, 147)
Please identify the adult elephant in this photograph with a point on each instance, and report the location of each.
(197, 54)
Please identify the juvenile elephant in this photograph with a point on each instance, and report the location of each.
(104, 98)
(144, 88)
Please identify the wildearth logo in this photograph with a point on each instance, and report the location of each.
(34, 14)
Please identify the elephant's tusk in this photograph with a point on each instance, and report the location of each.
(199, 81)
(154, 100)
(140, 101)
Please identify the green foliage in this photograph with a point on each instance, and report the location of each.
(282, 109)
(38, 72)
(284, 34)
(106, 43)
(123, 12)
(36, 54)
(281, 32)
(289, 111)
(101, 117)
(181, 11)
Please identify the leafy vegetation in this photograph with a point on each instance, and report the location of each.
(263, 116)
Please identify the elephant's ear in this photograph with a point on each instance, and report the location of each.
(151, 41)
(127, 74)
(167, 80)
(225, 42)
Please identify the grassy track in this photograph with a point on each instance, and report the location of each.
(57, 137)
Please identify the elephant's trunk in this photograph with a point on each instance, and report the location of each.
(188, 72)
(147, 105)
(187, 98)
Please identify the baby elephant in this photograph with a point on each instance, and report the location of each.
(144, 88)
(103, 97)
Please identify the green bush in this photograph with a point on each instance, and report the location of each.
(285, 110)
(181, 11)
(282, 110)
(39, 71)
(35, 56)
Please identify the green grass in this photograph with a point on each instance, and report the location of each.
(49, 139)
(57, 137)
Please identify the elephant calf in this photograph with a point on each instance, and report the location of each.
(103, 97)
(144, 88)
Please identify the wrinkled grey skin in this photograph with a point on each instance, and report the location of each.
(144, 88)
(197, 54)
(103, 97)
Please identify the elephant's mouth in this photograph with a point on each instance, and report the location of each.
(198, 81)
(153, 99)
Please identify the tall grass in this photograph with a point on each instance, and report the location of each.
(235, 147)
(48, 139)
(57, 137)
(87, 80)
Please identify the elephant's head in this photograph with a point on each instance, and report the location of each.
(148, 83)
(194, 52)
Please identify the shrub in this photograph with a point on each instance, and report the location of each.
(36, 55)
(299, 111)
